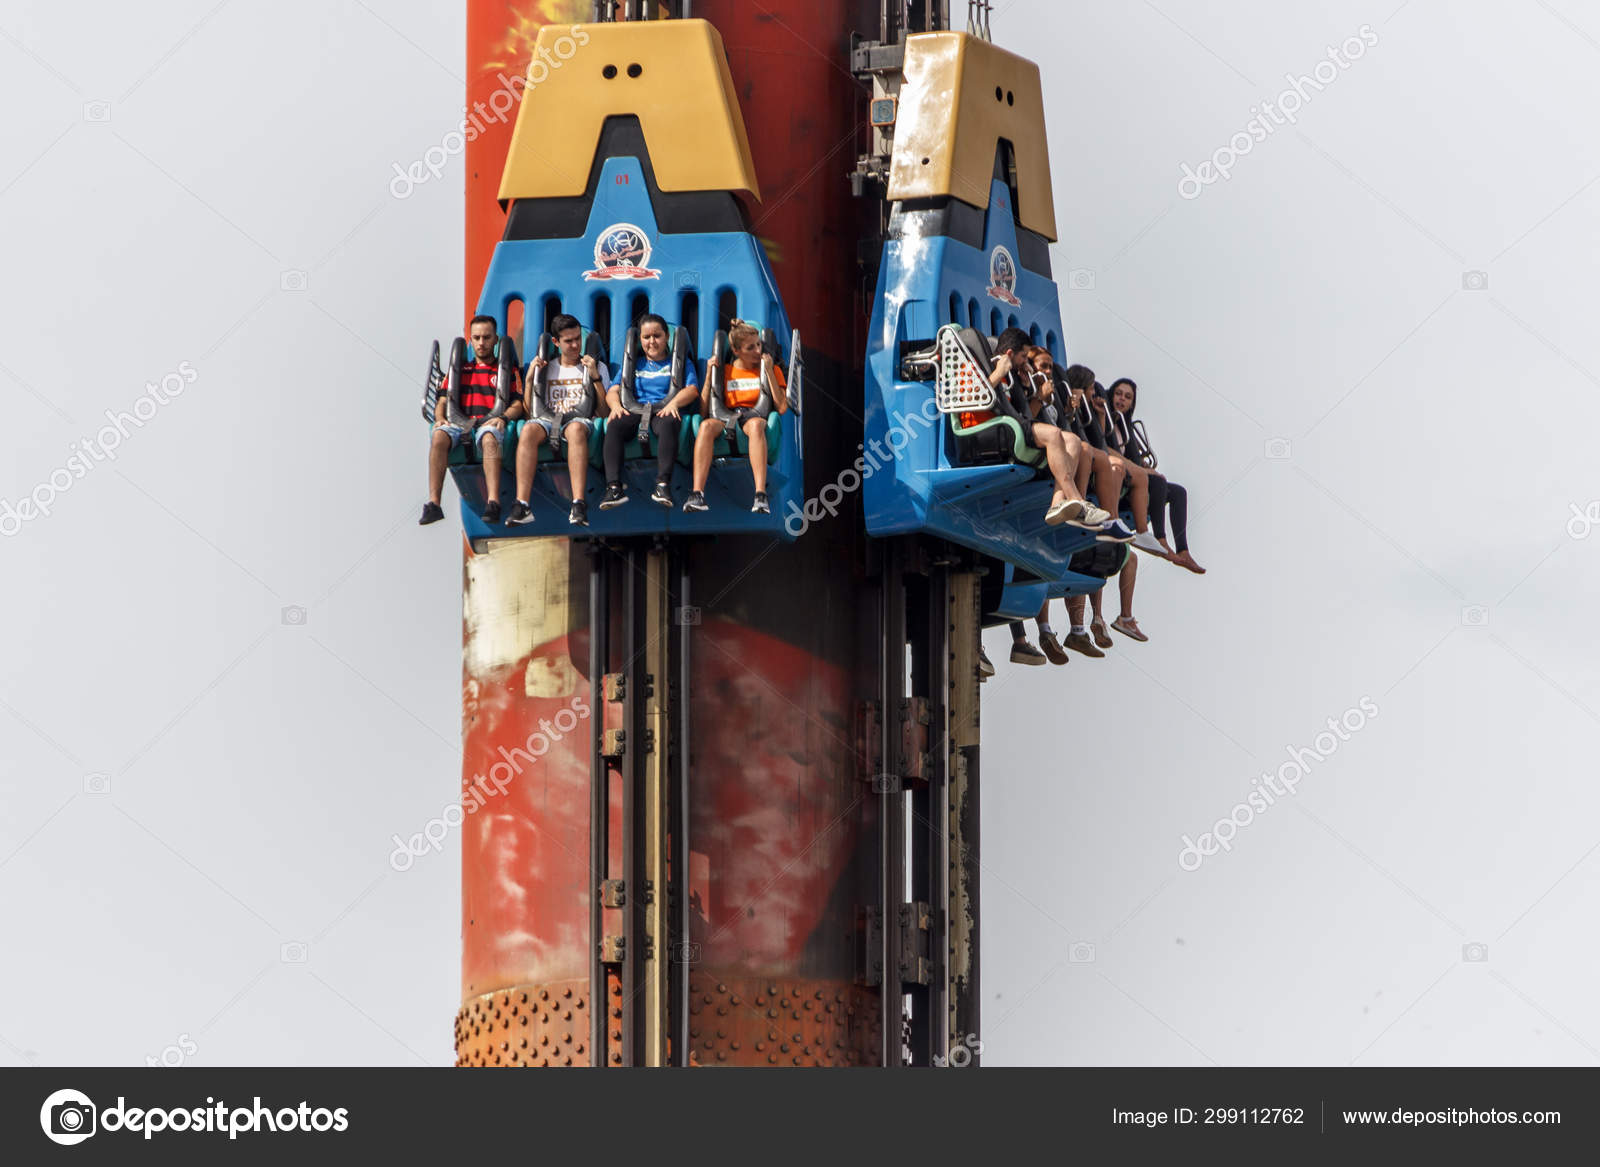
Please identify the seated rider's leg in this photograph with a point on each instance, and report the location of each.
(1055, 454)
(1138, 495)
(1125, 581)
(528, 459)
(705, 444)
(577, 437)
(438, 462)
(1158, 505)
(756, 430)
(619, 432)
(489, 448)
(1085, 469)
(1075, 613)
(666, 431)
(1108, 480)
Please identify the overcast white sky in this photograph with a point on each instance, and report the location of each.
(188, 775)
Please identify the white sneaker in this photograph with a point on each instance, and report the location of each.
(1146, 541)
(1092, 518)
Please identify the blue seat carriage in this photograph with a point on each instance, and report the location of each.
(621, 181)
(966, 256)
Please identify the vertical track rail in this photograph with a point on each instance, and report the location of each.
(961, 748)
(930, 816)
(678, 804)
(633, 933)
(599, 803)
(891, 806)
(651, 671)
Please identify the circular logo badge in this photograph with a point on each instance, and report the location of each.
(622, 252)
(68, 1117)
(1003, 276)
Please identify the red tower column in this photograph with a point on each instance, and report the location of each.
(782, 826)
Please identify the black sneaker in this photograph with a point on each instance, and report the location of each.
(696, 502)
(491, 512)
(760, 507)
(520, 513)
(432, 512)
(662, 494)
(579, 517)
(985, 665)
(615, 496)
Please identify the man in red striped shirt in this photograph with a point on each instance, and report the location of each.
(478, 403)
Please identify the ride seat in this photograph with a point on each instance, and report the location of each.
(682, 359)
(733, 440)
(998, 439)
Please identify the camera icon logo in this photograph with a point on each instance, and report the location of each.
(97, 111)
(1474, 281)
(1081, 279)
(1475, 953)
(687, 616)
(1081, 953)
(886, 784)
(1475, 616)
(1583, 521)
(294, 614)
(97, 783)
(1277, 449)
(688, 279)
(292, 952)
(685, 952)
(293, 280)
(68, 1117)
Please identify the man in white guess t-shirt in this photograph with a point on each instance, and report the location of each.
(563, 393)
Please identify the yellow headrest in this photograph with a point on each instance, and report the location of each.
(672, 74)
(950, 121)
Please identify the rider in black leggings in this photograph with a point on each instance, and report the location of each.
(1164, 493)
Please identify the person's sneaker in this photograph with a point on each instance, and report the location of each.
(760, 506)
(432, 512)
(696, 502)
(662, 494)
(579, 517)
(985, 665)
(491, 511)
(1052, 648)
(1114, 531)
(615, 496)
(1023, 653)
(1146, 541)
(1080, 642)
(1092, 518)
(1064, 511)
(1097, 629)
(1128, 626)
(520, 513)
